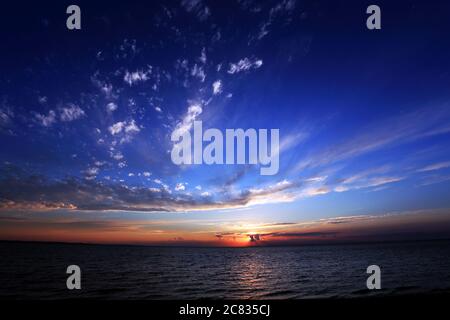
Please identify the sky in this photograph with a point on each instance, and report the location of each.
(86, 118)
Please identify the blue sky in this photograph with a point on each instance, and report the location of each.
(86, 116)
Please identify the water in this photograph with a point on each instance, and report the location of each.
(37, 271)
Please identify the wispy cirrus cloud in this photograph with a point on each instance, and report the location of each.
(67, 113)
(6, 116)
(71, 112)
(187, 122)
(282, 9)
(395, 131)
(135, 77)
(196, 7)
(46, 120)
(124, 126)
(217, 87)
(244, 64)
(435, 167)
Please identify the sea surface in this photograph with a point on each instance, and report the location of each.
(38, 271)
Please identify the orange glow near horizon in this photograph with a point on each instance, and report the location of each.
(173, 233)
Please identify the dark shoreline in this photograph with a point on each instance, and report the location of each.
(319, 244)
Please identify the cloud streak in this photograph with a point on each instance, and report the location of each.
(395, 131)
